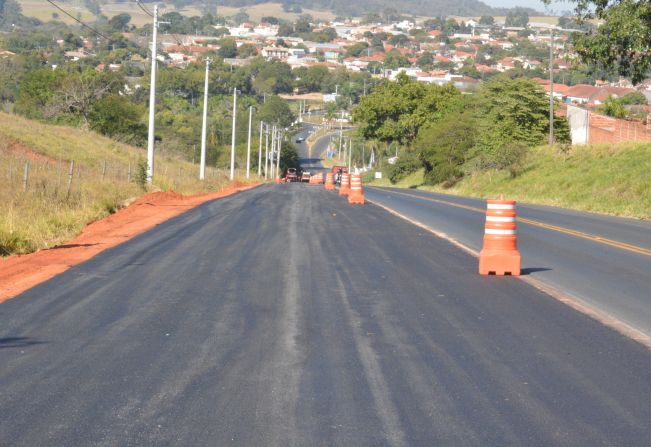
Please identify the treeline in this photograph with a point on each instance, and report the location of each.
(449, 134)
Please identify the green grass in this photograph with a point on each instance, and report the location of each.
(49, 212)
(609, 179)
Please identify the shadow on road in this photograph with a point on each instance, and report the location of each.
(18, 342)
(531, 270)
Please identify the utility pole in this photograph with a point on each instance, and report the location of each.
(260, 151)
(551, 87)
(350, 155)
(248, 150)
(279, 145)
(233, 133)
(266, 150)
(152, 102)
(202, 167)
(341, 134)
(274, 142)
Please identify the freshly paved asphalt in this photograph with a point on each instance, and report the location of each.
(608, 265)
(283, 316)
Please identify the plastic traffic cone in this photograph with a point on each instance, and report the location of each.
(330, 181)
(500, 255)
(356, 194)
(344, 187)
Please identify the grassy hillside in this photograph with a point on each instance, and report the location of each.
(604, 179)
(53, 207)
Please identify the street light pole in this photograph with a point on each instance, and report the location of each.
(152, 102)
(248, 150)
(233, 133)
(551, 88)
(280, 145)
(202, 167)
(260, 151)
(266, 150)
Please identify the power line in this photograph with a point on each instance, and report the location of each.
(77, 20)
(144, 8)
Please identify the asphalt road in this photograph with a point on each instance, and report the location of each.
(604, 261)
(283, 316)
(311, 160)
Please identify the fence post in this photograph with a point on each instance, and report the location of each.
(71, 173)
(103, 169)
(129, 172)
(25, 176)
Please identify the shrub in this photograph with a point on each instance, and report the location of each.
(407, 163)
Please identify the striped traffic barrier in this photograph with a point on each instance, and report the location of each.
(344, 187)
(330, 181)
(500, 255)
(356, 195)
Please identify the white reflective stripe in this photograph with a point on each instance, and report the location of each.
(499, 219)
(500, 206)
(492, 231)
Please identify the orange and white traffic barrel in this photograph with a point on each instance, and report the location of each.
(500, 255)
(344, 187)
(330, 181)
(356, 195)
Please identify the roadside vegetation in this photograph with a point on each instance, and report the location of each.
(609, 179)
(50, 205)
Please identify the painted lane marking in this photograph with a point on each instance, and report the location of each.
(536, 223)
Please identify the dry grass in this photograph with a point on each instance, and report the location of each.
(42, 10)
(609, 179)
(48, 212)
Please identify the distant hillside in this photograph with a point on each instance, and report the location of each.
(431, 8)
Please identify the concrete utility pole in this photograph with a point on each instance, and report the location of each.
(152, 102)
(233, 133)
(274, 141)
(260, 151)
(551, 87)
(341, 134)
(280, 145)
(248, 150)
(202, 167)
(350, 155)
(266, 150)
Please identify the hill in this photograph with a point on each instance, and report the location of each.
(288, 9)
(50, 204)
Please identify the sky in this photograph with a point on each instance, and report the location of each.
(535, 4)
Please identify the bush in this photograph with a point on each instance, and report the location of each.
(407, 163)
(444, 147)
(511, 157)
(141, 174)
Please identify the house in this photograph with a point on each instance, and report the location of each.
(275, 53)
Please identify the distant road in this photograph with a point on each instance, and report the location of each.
(311, 160)
(284, 316)
(604, 261)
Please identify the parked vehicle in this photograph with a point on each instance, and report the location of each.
(305, 177)
(291, 175)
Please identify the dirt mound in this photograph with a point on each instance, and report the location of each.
(21, 272)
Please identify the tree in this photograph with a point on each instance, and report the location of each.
(486, 20)
(119, 22)
(399, 40)
(228, 48)
(514, 111)
(622, 42)
(117, 117)
(517, 17)
(394, 59)
(275, 110)
(425, 61)
(444, 146)
(396, 111)
(247, 50)
(357, 49)
(271, 20)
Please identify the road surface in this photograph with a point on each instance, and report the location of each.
(284, 316)
(311, 159)
(604, 261)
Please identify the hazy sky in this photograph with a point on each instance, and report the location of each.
(535, 4)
